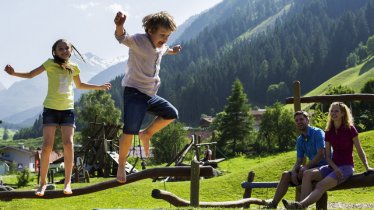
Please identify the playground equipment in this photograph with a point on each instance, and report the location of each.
(195, 187)
(195, 146)
(99, 154)
(181, 171)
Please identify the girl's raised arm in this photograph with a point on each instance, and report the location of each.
(85, 86)
(10, 70)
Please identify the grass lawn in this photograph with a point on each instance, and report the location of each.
(223, 188)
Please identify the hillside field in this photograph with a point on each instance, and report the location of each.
(223, 188)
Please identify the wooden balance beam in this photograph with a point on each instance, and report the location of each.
(182, 171)
(179, 202)
(356, 181)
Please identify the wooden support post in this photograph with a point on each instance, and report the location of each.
(86, 176)
(248, 191)
(296, 96)
(52, 176)
(322, 203)
(76, 172)
(195, 177)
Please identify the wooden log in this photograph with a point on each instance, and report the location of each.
(183, 171)
(195, 177)
(248, 191)
(332, 98)
(195, 183)
(179, 202)
(296, 96)
(356, 181)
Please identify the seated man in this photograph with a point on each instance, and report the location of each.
(309, 144)
(207, 154)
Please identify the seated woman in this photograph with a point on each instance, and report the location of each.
(340, 136)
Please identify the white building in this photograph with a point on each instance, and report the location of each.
(23, 158)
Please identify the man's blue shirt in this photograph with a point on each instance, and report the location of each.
(309, 145)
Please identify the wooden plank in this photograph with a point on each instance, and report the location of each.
(332, 98)
(183, 171)
(178, 202)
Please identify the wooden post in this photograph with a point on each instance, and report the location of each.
(76, 172)
(322, 203)
(248, 191)
(195, 177)
(296, 96)
(214, 151)
(52, 176)
(86, 176)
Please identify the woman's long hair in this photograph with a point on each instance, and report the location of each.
(347, 119)
(64, 63)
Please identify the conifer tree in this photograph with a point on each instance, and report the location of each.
(236, 126)
(6, 134)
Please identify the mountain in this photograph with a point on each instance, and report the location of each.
(104, 76)
(25, 118)
(25, 95)
(267, 44)
(2, 87)
(94, 64)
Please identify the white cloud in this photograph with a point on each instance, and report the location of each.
(86, 6)
(115, 8)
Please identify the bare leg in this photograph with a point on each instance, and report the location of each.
(308, 177)
(282, 187)
(67, 133)
(146, 134)
(48, 140)
(124, 147)
(322, 186)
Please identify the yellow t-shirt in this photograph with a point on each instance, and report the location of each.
(60, 94)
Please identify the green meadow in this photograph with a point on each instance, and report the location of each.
(354, 77)
(222, 188)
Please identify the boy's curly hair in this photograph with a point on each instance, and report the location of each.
(160, 19)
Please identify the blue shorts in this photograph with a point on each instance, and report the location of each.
(347, 171)
(135, 106)
(58, 117)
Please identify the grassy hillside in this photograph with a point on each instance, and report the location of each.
(222, 188)
(354, 78)
(10, 133)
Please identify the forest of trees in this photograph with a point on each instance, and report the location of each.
(310, 43)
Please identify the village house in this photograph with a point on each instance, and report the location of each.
(21, 156)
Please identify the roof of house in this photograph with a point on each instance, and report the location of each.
(18, 149)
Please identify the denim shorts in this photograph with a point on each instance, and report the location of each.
(136, 104)
(58, 117)
(347, 171)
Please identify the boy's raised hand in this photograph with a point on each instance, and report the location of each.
(9, 69)
(120, 19)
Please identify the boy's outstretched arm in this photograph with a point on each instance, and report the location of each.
(10, 70)
(119, 20)
(175, 50)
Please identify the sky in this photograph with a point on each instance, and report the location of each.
(29, 28)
